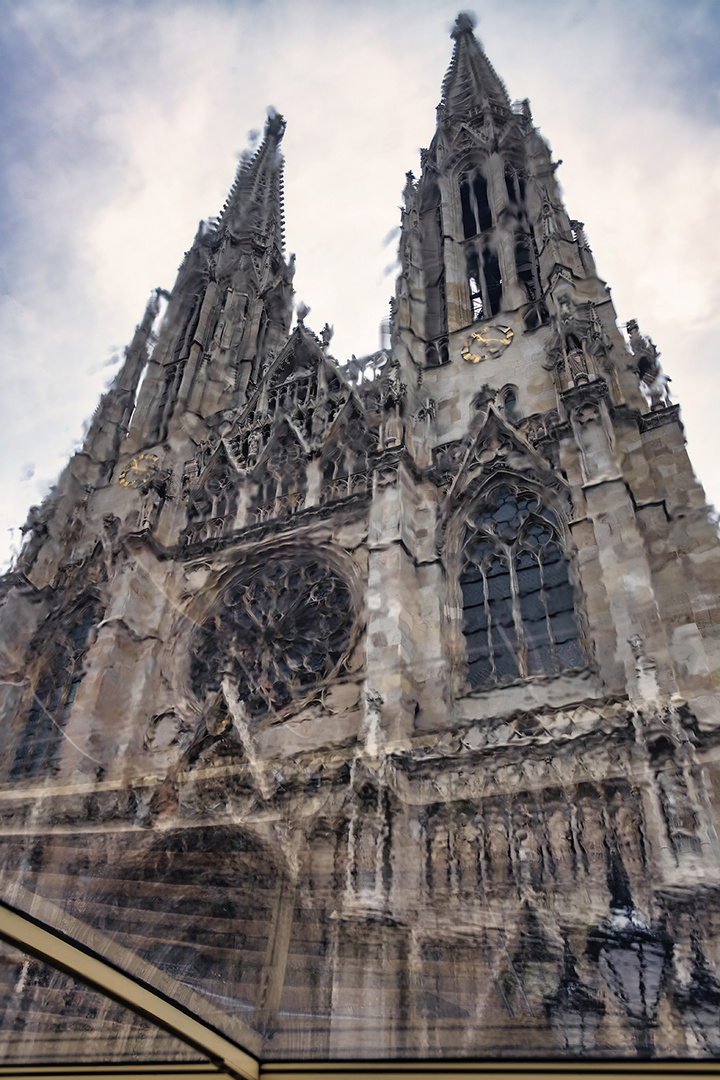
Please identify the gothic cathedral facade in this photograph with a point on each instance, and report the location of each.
(376, 703)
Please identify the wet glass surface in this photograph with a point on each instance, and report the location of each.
(49, 1017)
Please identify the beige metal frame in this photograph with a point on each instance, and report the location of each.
(55, 948)
(225, 1057)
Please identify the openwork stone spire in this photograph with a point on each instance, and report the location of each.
(375, 705)
(471, 84)
(255, 203)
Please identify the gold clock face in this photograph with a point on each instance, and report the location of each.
(486, 344)
(140, 469)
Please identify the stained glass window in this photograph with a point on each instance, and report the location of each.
(518, 603)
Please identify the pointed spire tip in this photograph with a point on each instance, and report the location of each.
(465, 23)
(275, 124)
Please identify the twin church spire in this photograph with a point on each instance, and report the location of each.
(399, 649)
(484, 234)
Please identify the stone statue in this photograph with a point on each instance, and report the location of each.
(320, 420)
(253, 447)
(326, 335)
(653, 380)
(393, 430)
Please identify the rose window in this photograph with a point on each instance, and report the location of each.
(276, 634)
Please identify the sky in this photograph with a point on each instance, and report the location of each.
(123, 120)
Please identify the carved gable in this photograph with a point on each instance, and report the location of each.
(499, 447)
(300, 359)
(212, 497)
(393, 731)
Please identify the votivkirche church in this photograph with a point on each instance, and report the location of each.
(368, 710)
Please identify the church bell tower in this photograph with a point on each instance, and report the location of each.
(376, 702)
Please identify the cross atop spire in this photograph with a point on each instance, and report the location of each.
(471, 85)
(255, 202)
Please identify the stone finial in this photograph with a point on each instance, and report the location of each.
(374, 699)
(637, 646)
(326, 334)
(465, 23)
(652, 378)
(275, 125)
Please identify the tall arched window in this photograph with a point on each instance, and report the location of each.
(60, 647)
(431, 232)
(526, 263)
(475, 285)
(483, 267)
(485, 285)
(172, 378)
(476, 212)
(515, 185)
(493, 280)
(518, 605)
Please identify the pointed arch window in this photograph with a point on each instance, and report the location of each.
(60, 649)
(515, 185)
(485, 284)
(476, 212)
(507, 399)
(493, 280)
(518, 602)
(526, 264)
(431, 232)
(172, 378)
(511, 184)
(475, 284)
(484, 276)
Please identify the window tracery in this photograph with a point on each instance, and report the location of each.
(483, 272)
(171, 381)
(431, 231)
(507, 401)
(60, 650)
(476, 212)
(526, 263)
(212, 500)
(475, 284)
(346, 463)
(518, 605)
(511, 183)
(493, 280)
(275, 634)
